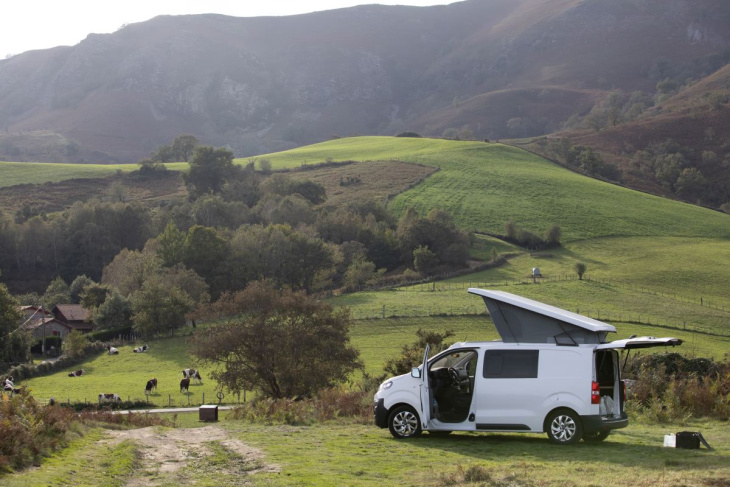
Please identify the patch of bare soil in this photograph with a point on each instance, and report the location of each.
(165, 451)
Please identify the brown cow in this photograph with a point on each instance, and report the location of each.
(151, 384)
(184, 385)
(77, 373)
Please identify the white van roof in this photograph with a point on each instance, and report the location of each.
(520, 319)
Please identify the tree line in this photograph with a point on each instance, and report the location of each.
(152, 265)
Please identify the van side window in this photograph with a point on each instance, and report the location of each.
(510, 364)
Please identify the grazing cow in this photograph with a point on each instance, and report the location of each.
(109, 398)
(184, 384)
(77, 373)
(112, 350)
(151, 384)
(192, 374)
(141, 349)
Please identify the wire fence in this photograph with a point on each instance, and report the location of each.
(455, 286)
(405, 311)
(158, 400)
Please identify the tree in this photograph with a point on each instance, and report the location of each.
(74, 344)
(285, 344)
(691, 183)
(94, 295)
(114, 312)
(163, 153)
(580, 269)
(205, 252)
(171, 248)
(14, 342)
(424, 261)
(57, 292)
(77, 286)
(183, 147)
(159, 307)
(209, 169)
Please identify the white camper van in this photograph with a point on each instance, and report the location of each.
(551, 372)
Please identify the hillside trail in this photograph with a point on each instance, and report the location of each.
(178, 456)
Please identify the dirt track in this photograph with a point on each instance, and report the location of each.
(163, 452)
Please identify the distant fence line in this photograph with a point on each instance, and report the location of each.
(159, 400)
(451, 286)
(402, 311)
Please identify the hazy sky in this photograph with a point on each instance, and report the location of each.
(40, 24)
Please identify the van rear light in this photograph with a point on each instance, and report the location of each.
(595, 393)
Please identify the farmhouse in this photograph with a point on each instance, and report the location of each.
(75, 316)
(33, 312)
(44, 328)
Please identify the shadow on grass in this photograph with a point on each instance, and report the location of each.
(620, 449)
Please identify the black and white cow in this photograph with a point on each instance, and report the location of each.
(192, 374)
(184, 385)
(8, 385)
(151, 384)
(141, 349)
(112, 350)
(76, 373)
(108, 397)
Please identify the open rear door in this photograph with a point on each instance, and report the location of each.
(640, 342)
(425, 392)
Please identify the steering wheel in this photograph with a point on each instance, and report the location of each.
(455, 379)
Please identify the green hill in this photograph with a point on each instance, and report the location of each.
(485, 185)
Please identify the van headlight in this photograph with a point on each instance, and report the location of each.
(386, 385)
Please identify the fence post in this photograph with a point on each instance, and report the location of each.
(203, 398)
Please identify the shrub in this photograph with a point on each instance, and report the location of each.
(30, 431)
(327, 405)
(670, 387)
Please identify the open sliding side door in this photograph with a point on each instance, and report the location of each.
(425, 392)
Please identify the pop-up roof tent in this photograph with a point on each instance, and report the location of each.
(522, 320)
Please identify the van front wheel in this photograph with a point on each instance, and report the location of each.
(564, 427)
(404, 422)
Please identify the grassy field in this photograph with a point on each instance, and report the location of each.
(362, 455)
(14, 173)
(126, 374)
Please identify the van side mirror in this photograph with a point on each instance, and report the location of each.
(416, 372)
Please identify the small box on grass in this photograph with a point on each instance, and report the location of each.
(208, 413)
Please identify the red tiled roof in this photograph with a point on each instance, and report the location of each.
(71, 312)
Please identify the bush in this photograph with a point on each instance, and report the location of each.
(30, 431)
(408, 134)
(327, 405)
(670, 387)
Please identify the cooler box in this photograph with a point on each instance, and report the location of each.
(208, 413)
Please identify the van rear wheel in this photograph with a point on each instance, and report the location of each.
(404, 422)
(564, 427)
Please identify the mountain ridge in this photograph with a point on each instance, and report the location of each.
(267, 84)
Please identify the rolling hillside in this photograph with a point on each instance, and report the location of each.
(485, 185)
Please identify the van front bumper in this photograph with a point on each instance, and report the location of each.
(595, 423)
(380, 414)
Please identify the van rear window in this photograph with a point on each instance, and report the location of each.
(510, 364)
